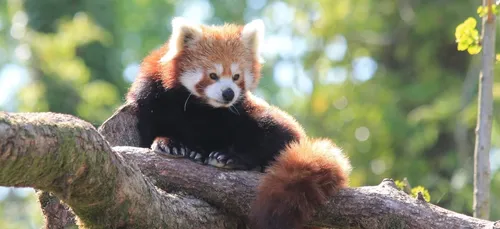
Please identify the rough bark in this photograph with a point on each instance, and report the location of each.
(57, 214)
(120, 128)
(485, 117)
(68, 157)
(123, 186)
(382, 206)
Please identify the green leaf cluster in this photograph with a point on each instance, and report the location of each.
(467, 36)
(483, 10)
(424, 191)
(414, 116)
(404, 186)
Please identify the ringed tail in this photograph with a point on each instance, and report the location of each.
(301, 179)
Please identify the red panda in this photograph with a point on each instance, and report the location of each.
(193, 99)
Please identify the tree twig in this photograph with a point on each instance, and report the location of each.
(484, 119)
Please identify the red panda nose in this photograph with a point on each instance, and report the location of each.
(228, 94)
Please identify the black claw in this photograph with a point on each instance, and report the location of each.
(221, 160)
(214, 154)
(168, 148)
(222, 157)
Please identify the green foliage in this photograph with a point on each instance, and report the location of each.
(413, 117)
(421, 189)
(57, 52)
(483, 11)
(405, 186)
(400, 184)
(19, 209)
(467, 36)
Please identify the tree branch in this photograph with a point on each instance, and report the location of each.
(106, 187)
(481, 200)
(382, 206)
(68, 157)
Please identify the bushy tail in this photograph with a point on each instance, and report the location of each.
(302, 178)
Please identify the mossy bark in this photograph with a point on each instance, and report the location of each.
(68, 157)
(130, 187)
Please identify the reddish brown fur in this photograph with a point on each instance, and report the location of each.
(304, 175)
(150, 68)
(301, 179)
(205, 82)
(257, 107)
(160, 140)
(225, 47)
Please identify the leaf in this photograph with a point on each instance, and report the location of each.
(470, 22)
(474, 49)
(462, 46)
(425, 193)
(459, 31)
(482, 11)
(399, 184)
(467, 36)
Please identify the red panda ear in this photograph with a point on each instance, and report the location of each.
(252, 35)
(184, 34)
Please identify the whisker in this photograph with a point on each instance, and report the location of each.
(185, 103)
(234, 110)
(231, 109)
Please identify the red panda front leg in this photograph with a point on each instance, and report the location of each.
(171, 148)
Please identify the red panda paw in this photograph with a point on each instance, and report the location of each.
(196, 157)
(169, 148)
(225, 161)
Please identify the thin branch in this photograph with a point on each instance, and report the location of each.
(485, 118)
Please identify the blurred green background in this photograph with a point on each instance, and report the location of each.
(383, 78)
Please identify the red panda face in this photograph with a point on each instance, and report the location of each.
(215, 63)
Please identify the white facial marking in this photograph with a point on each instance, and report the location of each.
(219, 69)
(214, 92)
(235, 68)
(248, 80)
(190, 78)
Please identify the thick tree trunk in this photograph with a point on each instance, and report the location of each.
(130, 187)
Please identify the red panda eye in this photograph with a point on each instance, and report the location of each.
(236, 76)
(213, 76)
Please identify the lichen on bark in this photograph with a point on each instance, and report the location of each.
(130, 187)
